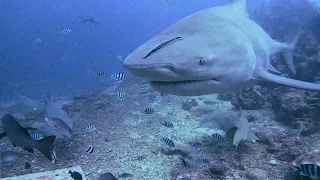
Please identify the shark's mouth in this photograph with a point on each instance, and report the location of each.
(176, 83)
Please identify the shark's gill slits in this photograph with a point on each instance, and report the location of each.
(160, 46)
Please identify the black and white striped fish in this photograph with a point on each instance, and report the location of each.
(168, 1)
(168, 141)
(119, 76)
(53, 154)
(141, 157)
(61, 30)
(36, 136)
(148, 111)
(90, 128)
(309, 169)
(90, 149)
(120, 95)
(167, 124)
(217, 137)
(100, 73)
(203, 160)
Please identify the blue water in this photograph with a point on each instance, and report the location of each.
(63, 64)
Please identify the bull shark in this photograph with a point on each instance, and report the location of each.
(216, 50)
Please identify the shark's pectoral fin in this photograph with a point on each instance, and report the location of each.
(262, 74)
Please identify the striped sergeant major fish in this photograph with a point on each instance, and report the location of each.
(311, 170)
(167, 141)
(148, 111)
(118, 76)
(90, 128)
(61, 30)
(100, 73)
(120, 95)
(36, 136)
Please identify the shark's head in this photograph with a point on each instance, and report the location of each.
(187, 59)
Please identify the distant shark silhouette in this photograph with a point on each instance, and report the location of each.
(216, 50)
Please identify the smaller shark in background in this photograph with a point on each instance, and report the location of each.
(91, 20)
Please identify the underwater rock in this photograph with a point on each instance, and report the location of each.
(188, 104)
(298, 108)
(250, 99)
(254, 174)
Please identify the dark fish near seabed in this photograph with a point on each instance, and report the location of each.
(167, 141)
(19, 136)
(90, 128)
(118, 76)
(8, 156)
(107, 176)
(148, 111)
(167, 124)
(60, 126)
(75, 175)
(90, 149)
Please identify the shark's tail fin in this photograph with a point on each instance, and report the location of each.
(287, 54)
(44, 146)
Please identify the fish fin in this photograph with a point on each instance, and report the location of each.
(273, 69)
(30, 150)
(2, 135)
(252, 137)
(286, 55)
(44, 145)
(239, 5)
(31, 129)
(261, 74)
(238, 137)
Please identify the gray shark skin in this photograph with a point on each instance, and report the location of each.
(220, 50)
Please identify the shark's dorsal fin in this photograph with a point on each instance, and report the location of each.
(240, 5)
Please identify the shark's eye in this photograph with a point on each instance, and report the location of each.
(201, 61)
